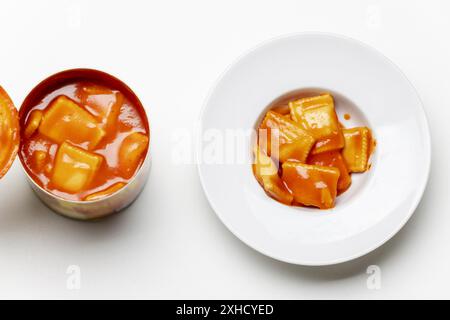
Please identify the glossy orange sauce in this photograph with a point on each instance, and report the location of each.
(91, 97)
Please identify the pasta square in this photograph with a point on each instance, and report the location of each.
(318, 116)
(266, 172)
(33, 122)
(294, 142)
(74, 168)
(357, 150)
(311, 185)
(333, 159)
(103, 103)
(66, 120)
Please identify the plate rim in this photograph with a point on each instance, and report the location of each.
(427, 139)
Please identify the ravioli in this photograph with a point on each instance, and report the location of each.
(74, 168)
(293, 141)
(318, 117)
(266, 173)
(358, 144)
(333, 159)
(311, 185)
(33, 122)
(104, 103)
(65, 120)
(316, 153)
(39, 158)
(131, 153)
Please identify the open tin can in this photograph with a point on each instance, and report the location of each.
(12, 124)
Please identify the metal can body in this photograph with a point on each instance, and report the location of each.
(88, 210)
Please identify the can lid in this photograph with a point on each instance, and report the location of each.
(9, 132)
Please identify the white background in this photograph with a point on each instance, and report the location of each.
(170, 244)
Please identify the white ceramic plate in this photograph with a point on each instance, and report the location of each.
(367, 86)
